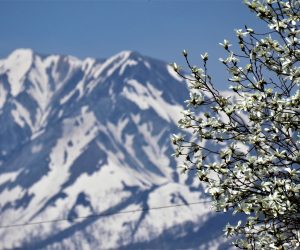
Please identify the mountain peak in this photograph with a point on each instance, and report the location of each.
(126, 54)
(16, 66)
(23, 53)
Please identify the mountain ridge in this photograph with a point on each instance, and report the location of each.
(93, 136)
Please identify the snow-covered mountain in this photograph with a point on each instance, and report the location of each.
(85, 137)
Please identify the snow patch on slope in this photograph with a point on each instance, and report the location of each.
(3, 96)
(88, 64)
(40, 90)
(148, 96)
(79, 130)
(174, 193)
(173, 73)
(126, 64)
(112, 63)
(21, 116)
(4, 177)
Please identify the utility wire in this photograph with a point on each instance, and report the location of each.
(102, 215)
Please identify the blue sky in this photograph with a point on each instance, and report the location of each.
(101, 28)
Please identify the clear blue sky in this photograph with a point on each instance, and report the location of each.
(101, 28)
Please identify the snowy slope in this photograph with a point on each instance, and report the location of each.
(81, 137)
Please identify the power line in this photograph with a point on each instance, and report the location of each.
(102, 215)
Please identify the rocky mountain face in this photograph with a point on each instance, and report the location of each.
(92, 137)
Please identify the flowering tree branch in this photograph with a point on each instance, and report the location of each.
(246, 146)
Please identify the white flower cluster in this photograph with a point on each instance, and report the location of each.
(246, 147)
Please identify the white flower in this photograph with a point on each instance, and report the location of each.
(175, 67)
(225, 44)
(205, 56)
